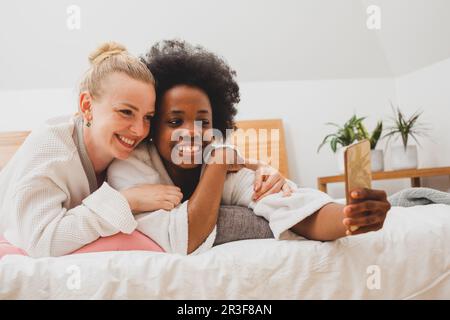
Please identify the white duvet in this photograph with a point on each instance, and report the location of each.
(408, 259)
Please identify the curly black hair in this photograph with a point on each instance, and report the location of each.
(176, 62)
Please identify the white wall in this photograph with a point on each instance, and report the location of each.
(264, 40)
(414, 33)
(429, 90)
(28, 109)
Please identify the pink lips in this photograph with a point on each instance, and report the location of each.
(126, 142)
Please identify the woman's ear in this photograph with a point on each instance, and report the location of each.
(85, 106)
(85, 101)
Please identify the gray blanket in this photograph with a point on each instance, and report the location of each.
(239, 223)
(419, 196)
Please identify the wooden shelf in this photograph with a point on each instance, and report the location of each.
(413, 174)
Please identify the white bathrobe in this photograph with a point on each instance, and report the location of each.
(50, 204)
(170, 228)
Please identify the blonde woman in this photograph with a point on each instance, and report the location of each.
(53, 194)
(53, 198)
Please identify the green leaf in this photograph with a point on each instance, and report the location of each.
(334, 145)
(376, 134)
(325, 141)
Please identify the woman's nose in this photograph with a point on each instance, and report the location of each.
(193, 129)
(139, 128)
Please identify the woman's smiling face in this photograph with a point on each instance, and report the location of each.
(181, 120)
(121, 116)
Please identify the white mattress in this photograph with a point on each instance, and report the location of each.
(411, 255)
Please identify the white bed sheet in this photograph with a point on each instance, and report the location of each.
(411, 253)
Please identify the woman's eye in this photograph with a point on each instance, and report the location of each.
(148, 118)
(205, 122)
(174, 122)
(126, 112)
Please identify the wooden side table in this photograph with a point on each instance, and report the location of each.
(413, 174)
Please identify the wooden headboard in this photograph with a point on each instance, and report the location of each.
(259, 139)
(263, 140)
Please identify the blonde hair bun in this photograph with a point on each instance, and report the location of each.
(105, 51)
(112, 57)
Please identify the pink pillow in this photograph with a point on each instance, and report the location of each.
(121, 242)
(118, 242)
(7, 248)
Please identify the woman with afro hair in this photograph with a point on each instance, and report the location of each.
(196, 93)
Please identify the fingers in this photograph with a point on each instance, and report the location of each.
(267, 185)
(173, 191)
(258, 181)
(275, 189)
(171, 194)
(360, 209)
(167, 205)
(374, 227)
(368, 194)
(372, 219)
(172, 188)
(176, 193)
(287, 190)
(173, 199)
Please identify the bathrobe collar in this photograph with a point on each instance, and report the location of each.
(78, 138)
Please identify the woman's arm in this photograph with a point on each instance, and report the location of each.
(326, 224)
(38, 223)
(334, 221)
(203, 206)
(309, 212)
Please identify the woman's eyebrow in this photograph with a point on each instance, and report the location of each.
(128, 105)
(177, 111)
(134, 107)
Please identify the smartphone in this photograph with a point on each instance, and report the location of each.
(358, 172)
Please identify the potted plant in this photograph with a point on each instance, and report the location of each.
(405, 157)
(354, 130)
(377, 155)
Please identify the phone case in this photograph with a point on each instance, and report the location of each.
(358, 172)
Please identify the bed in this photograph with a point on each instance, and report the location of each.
(408, 259)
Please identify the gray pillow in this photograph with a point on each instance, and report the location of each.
(240, 223)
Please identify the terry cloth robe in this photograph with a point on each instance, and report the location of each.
(170, 228)
(50, 204)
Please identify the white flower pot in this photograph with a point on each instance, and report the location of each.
(404, 159)
(377, 160)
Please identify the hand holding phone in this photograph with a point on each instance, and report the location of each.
(358, 172)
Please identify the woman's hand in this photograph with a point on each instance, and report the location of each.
(152, 197)
(268, 181)
(367, 213)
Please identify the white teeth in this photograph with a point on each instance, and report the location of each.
(127, 141)
(190, 149)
